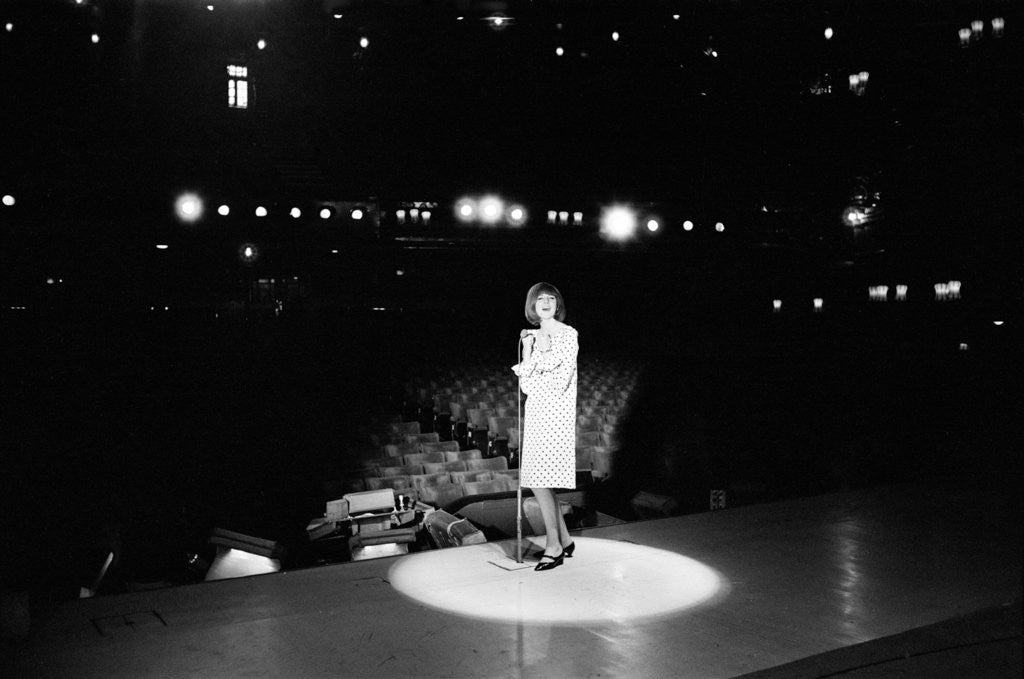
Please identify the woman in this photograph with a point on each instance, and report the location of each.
(547, 375)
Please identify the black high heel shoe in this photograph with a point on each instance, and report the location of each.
(555, 562)
(569, 549)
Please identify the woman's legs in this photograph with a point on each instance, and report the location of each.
(554, 525)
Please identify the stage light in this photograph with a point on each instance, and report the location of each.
(653, 225)
(8, 200)
(209, 8)
(965, 37)
(776, 305)
(223, 210)
(248, 253)
(901, 293)
(977, 27)
(618, 223)
(326, 212)
(517, 215)
(161, 246)
(491, 209)
(577, 218)
(559, 51)
(563, 217)
(364, 42)
(719, 227)
(189, 207)
(95, 38)
(675, 17)
(400, 216)
(50, 281)
(854, 216)
(878, 293)
(615, 36)
(963, 346)
(829, 33)
(261, 44)
(997, 322)
(687, 225)
(261, 211)
(954, 289)
(998, 23)
(338, 16)
(334, 252)
(399, 272)
(426, 216)
(356, 214)
(414, 214)
(295, 212)
(819, 303)
(9, 26)
(465, 209)
(552, 216)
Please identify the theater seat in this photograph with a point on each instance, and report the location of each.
(380, 482)
(439, 446)
(406, 470)
(432, 437)
(442, 495)
(471, 454)
(420, 458)
(423, 480)
(491, 463)
(486, 487)
(470, 476)
(401, 449)
(438, 467)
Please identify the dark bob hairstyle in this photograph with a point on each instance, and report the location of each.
(531, 302)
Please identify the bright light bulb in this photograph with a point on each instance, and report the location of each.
(261, 44)
(491, 209)
(687, 225)
(357, 214)
(829, 33)
(189, 207)
(364, 42)
(652, 225)
(261, 211)
(223, 210)
(8, 200)
(295, 212)
(618, 223)
(325, 213)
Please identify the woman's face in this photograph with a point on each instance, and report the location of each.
(546, 306)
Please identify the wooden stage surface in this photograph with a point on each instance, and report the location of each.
(920, 579)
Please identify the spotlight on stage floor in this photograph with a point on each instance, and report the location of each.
(606, 581)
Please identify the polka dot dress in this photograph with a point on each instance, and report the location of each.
(549, 424)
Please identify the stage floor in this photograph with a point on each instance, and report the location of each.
(905, 575)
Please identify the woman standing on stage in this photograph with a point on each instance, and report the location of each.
(547, 375)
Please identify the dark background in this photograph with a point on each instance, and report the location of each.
(149, 395)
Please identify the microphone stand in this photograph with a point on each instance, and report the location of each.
(519, 486)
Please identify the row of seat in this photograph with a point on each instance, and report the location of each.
(473, 465)
(486, 399)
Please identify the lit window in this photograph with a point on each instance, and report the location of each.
(238, 86)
